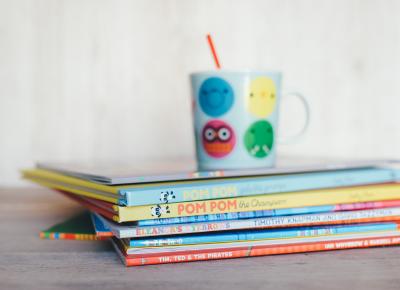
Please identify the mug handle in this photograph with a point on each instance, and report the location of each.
(296, 137)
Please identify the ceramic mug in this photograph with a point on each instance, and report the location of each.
(236, 118)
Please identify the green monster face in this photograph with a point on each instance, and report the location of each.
(259, 139)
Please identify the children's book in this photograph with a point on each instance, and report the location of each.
(128, 173)
(259, 202)
(254, 235)
(107, 209)
(273, 212)
(371, 193)
(132, 230)
(79, 227)
(257, 248)
(100, 228)
(240, 244)
(163, 193)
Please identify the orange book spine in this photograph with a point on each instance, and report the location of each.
(260, 251)
(70, 236)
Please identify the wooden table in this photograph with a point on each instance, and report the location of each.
(26, 262)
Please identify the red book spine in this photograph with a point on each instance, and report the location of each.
(91, 206)
(261, 251)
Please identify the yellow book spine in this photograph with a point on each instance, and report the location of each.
(261, 202)
(58, 177)
(73, 190)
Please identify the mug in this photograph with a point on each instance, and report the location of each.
(236, 118)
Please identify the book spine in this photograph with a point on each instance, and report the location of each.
(70, 236)
(269, 213)
(359, 216)
(261, 202)
(89, 205)
(366, 205)
(100, 228)
(78, 191)
(251, 186)
(262, 235)
(192, 256)
(239, 215)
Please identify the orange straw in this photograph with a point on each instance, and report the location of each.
(214, 53)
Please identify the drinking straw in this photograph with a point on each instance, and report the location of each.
(214, 53)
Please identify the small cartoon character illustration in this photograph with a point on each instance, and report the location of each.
(215, 96)
(166, 196)
(261, 97)
(159, 210)
(218, 138)
(259, 139)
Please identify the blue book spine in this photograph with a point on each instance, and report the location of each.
(238, 215)
(235, 187)
(99, 225)
(262, 234)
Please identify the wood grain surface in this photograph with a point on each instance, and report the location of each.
(26, 262)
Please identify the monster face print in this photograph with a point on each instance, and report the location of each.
(215, 96)
(259, 139)
(218, 138)
(261, 97)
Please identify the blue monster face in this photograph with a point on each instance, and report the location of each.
(216, 96)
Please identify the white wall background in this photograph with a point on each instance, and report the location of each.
(109, 79)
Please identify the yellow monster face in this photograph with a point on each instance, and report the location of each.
(261, 97)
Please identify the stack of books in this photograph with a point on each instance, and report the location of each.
(168, 216)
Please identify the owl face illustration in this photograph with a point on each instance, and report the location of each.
(218, 138)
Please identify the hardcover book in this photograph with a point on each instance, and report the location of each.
(79, 227)
(165, 193)
(137, 244)
(257, 248)
(378, 212)
(384, 192)
(174, 170)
